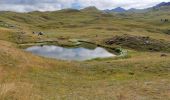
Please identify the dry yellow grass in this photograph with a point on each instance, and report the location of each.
(24, 76)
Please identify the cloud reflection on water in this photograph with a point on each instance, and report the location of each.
(78, 54)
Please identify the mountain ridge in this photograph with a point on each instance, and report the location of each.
(118, 9)
(162, 4)
(121, 10)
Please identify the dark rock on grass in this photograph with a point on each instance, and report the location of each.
(166, 31)
(131, 73)
(38, 33)
(139, 43)
(164, 55)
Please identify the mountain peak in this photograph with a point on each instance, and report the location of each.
(90, 8)
(118, 9)
(162, 4)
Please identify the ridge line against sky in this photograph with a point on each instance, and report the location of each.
(52, 5)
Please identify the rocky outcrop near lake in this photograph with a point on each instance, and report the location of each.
(139, 43)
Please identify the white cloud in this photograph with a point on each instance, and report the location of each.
(51, 5)
(109, 4)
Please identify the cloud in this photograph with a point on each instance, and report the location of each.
(32, 5)
(51, 5)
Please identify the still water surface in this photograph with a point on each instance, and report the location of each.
(76, 54)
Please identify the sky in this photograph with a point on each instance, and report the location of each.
(52, 5)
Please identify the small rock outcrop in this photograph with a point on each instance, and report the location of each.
(38, 33)
(139, 43)
(164, 55)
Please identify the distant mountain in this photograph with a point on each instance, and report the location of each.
(162, 7)
(132, 10)
(90, 9)
(162, 4)
(69, 10)
(118, 9)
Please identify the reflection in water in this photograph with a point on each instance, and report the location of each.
(62, 53)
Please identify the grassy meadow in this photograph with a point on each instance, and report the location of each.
(140, 75)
